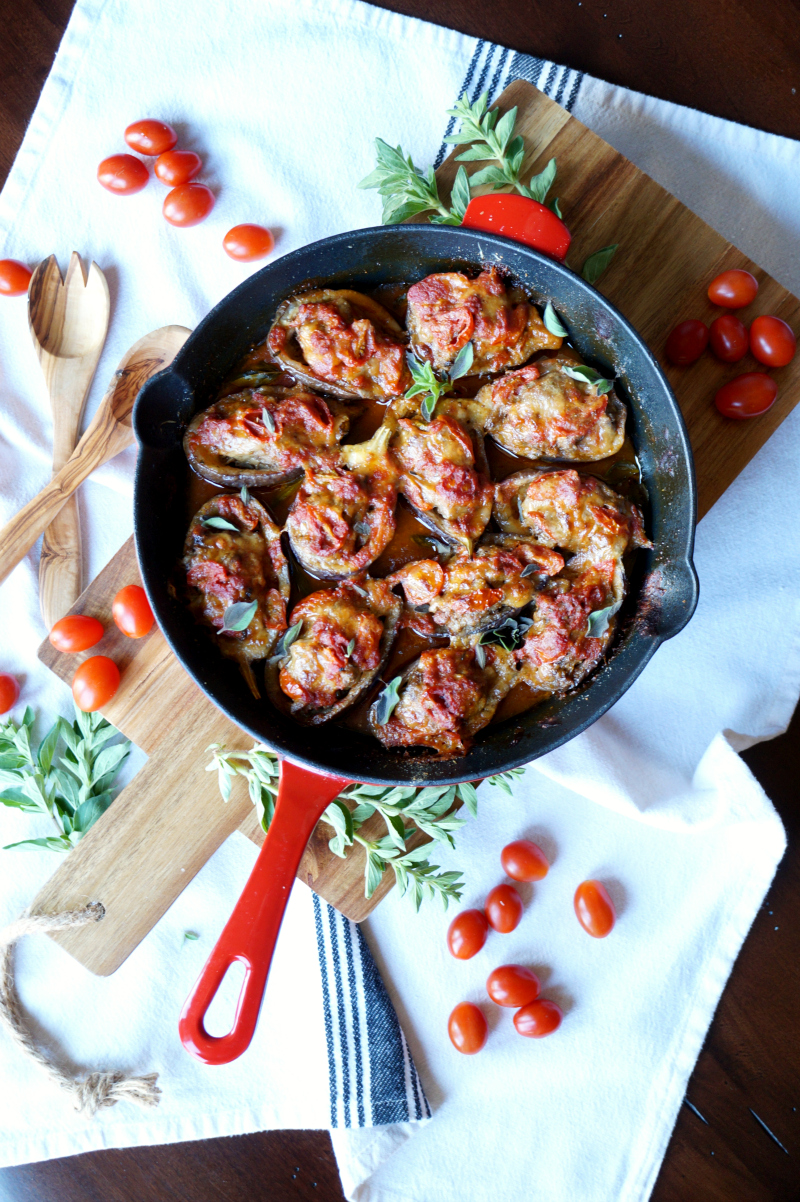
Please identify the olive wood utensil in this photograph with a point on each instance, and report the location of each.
(68, 320)
(109, 433)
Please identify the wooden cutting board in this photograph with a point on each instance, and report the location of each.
(165, 825)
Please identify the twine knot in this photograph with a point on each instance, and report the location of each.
(97, 1091)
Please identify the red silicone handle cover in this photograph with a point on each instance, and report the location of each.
(252, 929)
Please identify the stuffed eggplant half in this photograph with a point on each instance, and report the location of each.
(420, 639)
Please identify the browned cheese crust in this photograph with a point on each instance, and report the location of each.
(474, 593)
(263, 437)
(540, 412)
(446, 698)
(344, 341)
(346, 634)
(448, 310)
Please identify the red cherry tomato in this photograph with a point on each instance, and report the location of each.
(9, 692)
(177, 166)
(512, 985)
(467, 1028)
(14, 277)
(728, 338)
(467, 933)
(150, 137)
(248, 242)
(95, 683)
(123, 174)
(503, 908)
(77, 632)
(131, 611)
(524, 861)
(687, 342)
(595, 909)
(538, 1019)
(188, 204)
(749, 395)
(772, 341)
(733, 289)
(522, 219)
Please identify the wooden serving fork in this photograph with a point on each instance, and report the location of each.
(68, 321)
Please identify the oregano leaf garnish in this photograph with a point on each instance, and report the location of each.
(588, 375)
(387, 701)
(245, 495)
(599, 619)
(351, 646)
(218, 523)
(286, 640)
(268, 420)
(238, 616)
(462, 362)
(553, 322)
(596, 263)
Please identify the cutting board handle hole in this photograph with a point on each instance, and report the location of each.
(221, 1014)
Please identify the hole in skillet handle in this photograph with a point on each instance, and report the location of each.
(251, 932)
(162, 410)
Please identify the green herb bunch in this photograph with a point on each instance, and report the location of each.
(428, 385)
(405, 810)
(407, 191)
(69, 777)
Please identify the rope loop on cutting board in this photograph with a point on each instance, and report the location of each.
(98, 1090)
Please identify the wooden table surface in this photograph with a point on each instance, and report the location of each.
(737, 60)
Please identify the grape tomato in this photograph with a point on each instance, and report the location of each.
(248, 242)
(467, 933)
(76, 632)
(524, 860)
(733, 289)
(503, 908)
(9, 692)
(14, 277)
(539, 1018)
(177, 166)
(595, 909)
(150, 137)
(188, 204)
(95, 683)
(687, 342)
(123, 174)
(748, 395)
(131, 611)
(512, 985)
(772, 341)
(728, 338)
(467, 1028)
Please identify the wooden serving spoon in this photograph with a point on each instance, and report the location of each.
(109, 433)
(68, 320)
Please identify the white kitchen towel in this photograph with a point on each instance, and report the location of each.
(283, 101)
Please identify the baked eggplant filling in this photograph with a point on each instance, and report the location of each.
(233, 557)
(419, 637)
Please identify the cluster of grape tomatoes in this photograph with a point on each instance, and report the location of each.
(514, 985)
(770, 341)
(96, 680)
(188, 202)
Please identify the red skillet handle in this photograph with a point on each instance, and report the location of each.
(252, 929)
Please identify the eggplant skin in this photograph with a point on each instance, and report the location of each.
(264, 437)
(342, 341)
(339, 626)
(446, 697)
(244, 564)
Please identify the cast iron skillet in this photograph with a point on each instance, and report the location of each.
(663, 592)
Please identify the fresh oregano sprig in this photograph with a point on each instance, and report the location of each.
(491, 136)
(69, 777)
(409, 192)
(404, 809)
(427, 383)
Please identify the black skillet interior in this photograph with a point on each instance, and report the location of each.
(664, 591)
